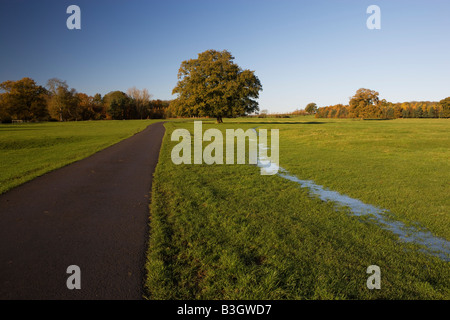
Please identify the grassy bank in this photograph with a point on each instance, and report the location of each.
(226, 232)
(30, 150)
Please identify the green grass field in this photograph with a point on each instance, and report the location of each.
(399, 165)
(226, 232)
(30, 150)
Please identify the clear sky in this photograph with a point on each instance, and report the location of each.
(302, 51)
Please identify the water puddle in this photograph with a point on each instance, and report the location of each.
(431, 244)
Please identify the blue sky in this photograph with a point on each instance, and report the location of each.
(302, 51)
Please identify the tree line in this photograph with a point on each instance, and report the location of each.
(25, 100)
(210, 86)
(366, 104)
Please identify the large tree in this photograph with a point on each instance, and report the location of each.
(311, 108)
(63, 102)
(118, 105)
(364, 104)
(5, 117)
(141, 99)
(24, 100)
(213, 85)
(444, 105)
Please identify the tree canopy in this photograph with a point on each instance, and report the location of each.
(117, 104)
(24, 99)
(63, 103)
(311, 108)
(364, 103)
(213, 85)
(445, 107)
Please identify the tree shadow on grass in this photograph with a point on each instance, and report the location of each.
(4, 128)
(278, 122)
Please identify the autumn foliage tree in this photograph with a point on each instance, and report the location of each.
(24, 100)
(27, 101)
(214, 86)
(364, 103)
(445, 108)
(90, 107)
(63, 103)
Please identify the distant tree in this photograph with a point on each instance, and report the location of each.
(311, 108)
(87, 107)
(398, 111)
(5, 117)
(159, 109)
(364, 103)
(390, 113)
(444, 106)
(405, 113)
(432, 112)
(170, 111)
(117, 105)
(141, 99)
(24, 100)
(299, 112)
(213, 85)
(374, 108)
(63, 103)
(98, 107)
(54, 83)
(418, 113)
(263, 113)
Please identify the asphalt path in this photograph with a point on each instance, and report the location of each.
(92, 214)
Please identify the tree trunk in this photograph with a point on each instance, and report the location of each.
(219, 120)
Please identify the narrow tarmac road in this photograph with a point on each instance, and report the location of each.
(93, 214)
